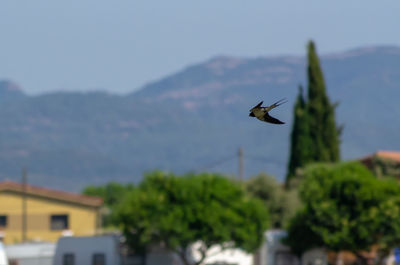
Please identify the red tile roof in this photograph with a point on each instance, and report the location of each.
(52, 194)
(392, 155)
(389, 155)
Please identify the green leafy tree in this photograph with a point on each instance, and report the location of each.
(301, 236)
(112, 194)
(177, 212)
(281, 204)
(346, 208)
(299, 138)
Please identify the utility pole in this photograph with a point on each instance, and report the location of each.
(241, 168)
(24, 197)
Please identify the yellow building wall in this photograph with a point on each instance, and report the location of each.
(82, 220)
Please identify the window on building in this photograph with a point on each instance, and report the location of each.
(99, 259)
(59, 222)
(3, 220)
(68, 259)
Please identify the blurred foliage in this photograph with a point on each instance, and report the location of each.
(281, 203)
(175, 212)
(300, 140)
(321, 113)
(315, 135)
(112, 194)
(345, 208)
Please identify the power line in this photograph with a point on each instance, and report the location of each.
(259, 159)
(240, 156)
(216, 163)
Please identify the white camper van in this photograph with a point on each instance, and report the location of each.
(3, 258)
(30, 253)
(96, 250)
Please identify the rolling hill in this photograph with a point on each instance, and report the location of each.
(194, 120)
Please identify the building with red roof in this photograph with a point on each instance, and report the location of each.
(31, 213)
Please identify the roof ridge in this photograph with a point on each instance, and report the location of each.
(52, 193)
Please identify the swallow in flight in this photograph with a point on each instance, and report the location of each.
(261, 113)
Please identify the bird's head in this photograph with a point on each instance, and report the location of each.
(255, 107)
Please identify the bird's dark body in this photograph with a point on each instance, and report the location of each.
(262, 114)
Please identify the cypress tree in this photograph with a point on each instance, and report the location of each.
(300, 138)
(314, 136)
(322, 127)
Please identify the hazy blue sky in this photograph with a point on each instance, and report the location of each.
(48, 45)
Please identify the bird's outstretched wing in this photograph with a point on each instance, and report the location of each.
(270, 119)
(276, 104)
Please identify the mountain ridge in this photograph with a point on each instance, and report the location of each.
(192, 119)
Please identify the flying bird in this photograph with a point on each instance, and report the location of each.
(261, 113)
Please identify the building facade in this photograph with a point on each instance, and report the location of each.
(29, 213)
(383, 163)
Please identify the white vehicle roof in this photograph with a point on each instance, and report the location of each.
(3, 258)
(30, 250)
(84, 248)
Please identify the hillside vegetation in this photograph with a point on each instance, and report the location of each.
(193, 119)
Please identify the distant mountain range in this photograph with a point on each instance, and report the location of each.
(194, 120)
